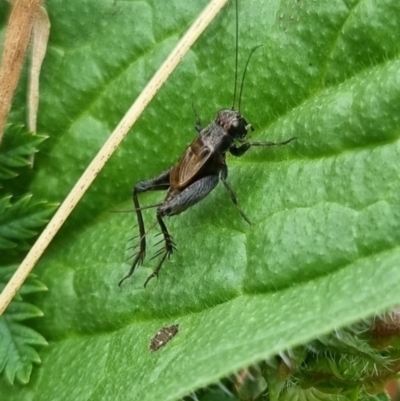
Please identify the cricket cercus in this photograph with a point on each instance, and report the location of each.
(198, 171)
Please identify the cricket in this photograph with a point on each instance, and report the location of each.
(198, 171)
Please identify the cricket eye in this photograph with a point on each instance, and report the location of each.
(237, 128)
(233, 128)
(235, 124)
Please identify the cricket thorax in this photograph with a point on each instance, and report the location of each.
(214, 137)
(233, 123)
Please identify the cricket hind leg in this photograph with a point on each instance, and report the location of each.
(167, 251)
(191, 195)
(160, 182)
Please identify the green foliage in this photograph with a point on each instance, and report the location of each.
(20, 220)
(17, 353)
(345, 365)
(323, 249)
(17, 149)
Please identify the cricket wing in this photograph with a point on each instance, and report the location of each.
(195, 157)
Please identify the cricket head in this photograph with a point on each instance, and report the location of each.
(233, 123)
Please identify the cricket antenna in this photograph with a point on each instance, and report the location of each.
(237, 54)
(244, 74)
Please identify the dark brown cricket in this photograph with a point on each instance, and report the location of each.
(197, 173)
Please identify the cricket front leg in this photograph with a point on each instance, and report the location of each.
(160, 182)
(242, 149)
(191, 195)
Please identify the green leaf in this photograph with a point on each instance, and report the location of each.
(17, 352)
(20, 220)
(323, 248)
(296, 394)
(378, 397)
(17, 147)
(214, 395)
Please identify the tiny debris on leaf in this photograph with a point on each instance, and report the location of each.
(163, 336)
